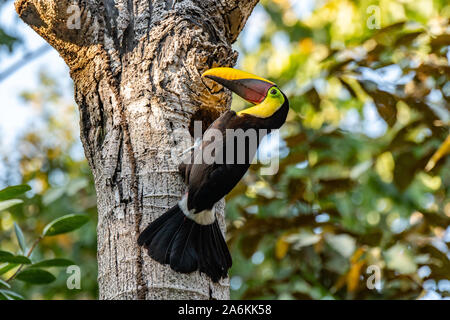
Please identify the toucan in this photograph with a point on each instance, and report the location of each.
(187, 237)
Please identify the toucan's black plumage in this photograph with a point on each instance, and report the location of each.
(188, 237)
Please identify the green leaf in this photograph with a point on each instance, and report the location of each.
(7, 268)
(4, 283)
(36, 276)
(10, 258)
(5, 254)
(52, 195)
(53, 263)
(16, 260)
(4, 296)
(7, 40)
(400, 259)
(20, 238)
(9, 203)
(65, 224)
(303, 239)
(11, 295)
(13, 191)
(76, 185)
(342, 243)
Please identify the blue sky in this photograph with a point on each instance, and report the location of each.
(15, 113)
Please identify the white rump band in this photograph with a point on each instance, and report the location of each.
(206, 217)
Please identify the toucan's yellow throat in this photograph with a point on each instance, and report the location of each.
(266, 96)
(273, 101)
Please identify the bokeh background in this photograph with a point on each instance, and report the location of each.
(356, 198)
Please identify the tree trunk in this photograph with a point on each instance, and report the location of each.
(136, 66)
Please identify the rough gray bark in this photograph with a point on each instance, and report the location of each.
(136, 66)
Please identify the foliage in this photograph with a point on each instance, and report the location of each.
(7, 39)
(33, 273)
(351, 196)
(55, 180)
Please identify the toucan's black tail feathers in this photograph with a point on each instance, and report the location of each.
(187, 246)
(157, 238)
(214, 257)
(147, 235)
(183, 256)
(220, 243)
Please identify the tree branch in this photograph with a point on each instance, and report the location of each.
(236, 15)
(67, 25)
(27, 58)
(35, 243)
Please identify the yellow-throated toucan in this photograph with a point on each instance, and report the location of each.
(187, 236)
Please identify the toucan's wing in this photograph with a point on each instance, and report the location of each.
(195, 155)
(210, 181)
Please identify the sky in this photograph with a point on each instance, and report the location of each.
(15, 113)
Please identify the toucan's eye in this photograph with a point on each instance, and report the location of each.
(273, 92)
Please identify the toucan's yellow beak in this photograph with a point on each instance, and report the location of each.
(246, 85)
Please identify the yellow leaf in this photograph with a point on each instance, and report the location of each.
(430, 182)
(385, 166)
(306, 45)
(442, 151)
(355, 270)
(281, 247)
(353, 276)
(357, 255)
